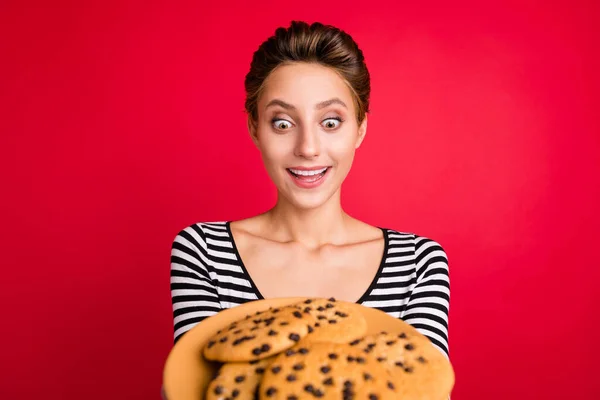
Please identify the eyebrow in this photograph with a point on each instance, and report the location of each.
(319, 106)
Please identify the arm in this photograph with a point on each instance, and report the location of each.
(193, 294)
(429, 302)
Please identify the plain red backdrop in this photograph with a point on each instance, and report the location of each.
(122, 122)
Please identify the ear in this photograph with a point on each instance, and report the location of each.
(362, 131)
(252, 129)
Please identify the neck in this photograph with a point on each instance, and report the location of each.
(314, 227)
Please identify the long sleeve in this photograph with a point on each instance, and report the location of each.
(193, 293)
(429, 303)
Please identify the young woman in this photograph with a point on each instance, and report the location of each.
(307, 103)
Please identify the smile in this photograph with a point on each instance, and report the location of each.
(308, 179)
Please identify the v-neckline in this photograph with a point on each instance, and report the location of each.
(361, 298)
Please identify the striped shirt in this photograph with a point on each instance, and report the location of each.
(208, 275)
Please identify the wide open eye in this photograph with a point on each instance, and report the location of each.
(281, 124)
(332, 123)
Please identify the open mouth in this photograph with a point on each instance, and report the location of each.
(308, 176)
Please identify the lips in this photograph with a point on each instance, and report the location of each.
(307, 174)
(309, 180)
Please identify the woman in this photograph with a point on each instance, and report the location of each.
(307, 102)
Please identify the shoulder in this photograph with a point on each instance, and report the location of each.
(423, 247)
(198, 232)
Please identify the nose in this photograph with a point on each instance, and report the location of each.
(307, 143)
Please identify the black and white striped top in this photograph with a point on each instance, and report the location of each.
(412, 283)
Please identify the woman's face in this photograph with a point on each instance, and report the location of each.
(307, 120)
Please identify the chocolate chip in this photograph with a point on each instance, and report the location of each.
(298, 367)
(367, 376)
(373, 397)
(211, 344)
(235, 393)
(265, 347)
(240, 378)
(408, 369)
(297, 314)
(284, 323)
(254, 362)
(238, 331)
(390, 342)
(360, 360)
(333, 356)
(291, 378)
(219, 390)
(348, 384)
(355, 342)
(367, 350)
(310, 329)
(332, 321)
(309, 388)
(269, 321)
(223, 339)
(321, 308)
(303, 351)
(275, 310)
(341, 314)
(321, 317)
(308, 301)
(260, 370)
(421, 360)
(402, 336)
(381, 359)
(271, 391)
(399, 364)
(272, 332)
(290, 352)
(318, 393)
(317, 324)
(409, 346)
(307, 310)
(391, 385)
(256, 351)
(294, 336)
(383, 332)
(254, 328)
(329, 305)
(332, 299)
(371, 345)
(325, 369)
(328, 381)
(276, 369)
(291, 397)
(351, 359)
(257, 321)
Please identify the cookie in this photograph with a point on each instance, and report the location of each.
(327, 371)
(238, 380)
(336, 322)
(259, 336)
(419, 369)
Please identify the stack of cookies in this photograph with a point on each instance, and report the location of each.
(319, 349)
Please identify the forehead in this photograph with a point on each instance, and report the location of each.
(304, 85)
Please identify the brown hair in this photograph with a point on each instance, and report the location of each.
(317, 43)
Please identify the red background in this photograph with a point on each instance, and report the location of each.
(122, 122)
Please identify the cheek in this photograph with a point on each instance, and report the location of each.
(342, 151)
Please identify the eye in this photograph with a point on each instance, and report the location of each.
(281, 124)
(332, 123)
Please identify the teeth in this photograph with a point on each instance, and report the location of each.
(308, 173)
